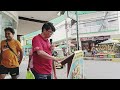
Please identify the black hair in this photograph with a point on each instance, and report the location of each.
(10, 29)
(48, 26)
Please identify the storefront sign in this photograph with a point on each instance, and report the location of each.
(87, 38)
(101, 37)
(95, 38)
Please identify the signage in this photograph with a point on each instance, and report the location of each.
(95, 38)
(76, 70)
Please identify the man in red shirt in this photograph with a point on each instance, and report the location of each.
(42, 53)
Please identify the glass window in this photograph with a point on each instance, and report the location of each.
(6, 21)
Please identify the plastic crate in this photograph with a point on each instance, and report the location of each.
(111, 56)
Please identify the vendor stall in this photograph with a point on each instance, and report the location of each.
(109, 49)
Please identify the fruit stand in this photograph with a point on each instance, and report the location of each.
(108, 49)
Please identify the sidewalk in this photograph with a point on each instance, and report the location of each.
(22, 69)
(61, 73)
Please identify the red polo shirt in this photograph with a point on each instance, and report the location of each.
(41, 65)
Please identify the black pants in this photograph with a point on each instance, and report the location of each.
(12, 71)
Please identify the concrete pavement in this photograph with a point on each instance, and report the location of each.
(92, 70)
(61, 73)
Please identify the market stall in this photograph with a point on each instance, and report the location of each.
(109, 49)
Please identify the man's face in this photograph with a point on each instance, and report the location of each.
(9, 35)
(48, 33)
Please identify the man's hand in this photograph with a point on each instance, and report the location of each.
(52, 47)
(19, 62)
(55, 77)
(56, 59)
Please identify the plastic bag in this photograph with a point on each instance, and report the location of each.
(29, 75)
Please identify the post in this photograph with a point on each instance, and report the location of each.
(77, 31)
(66, 25)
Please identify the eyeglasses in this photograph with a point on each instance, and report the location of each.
(51, 32)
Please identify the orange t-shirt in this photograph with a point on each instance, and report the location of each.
(10, 60)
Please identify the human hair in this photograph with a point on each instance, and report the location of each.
(10, 29)
(48, 26)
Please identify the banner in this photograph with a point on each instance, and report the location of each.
(76, 70)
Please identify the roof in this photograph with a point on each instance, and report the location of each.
(109, 41)
(58, 20)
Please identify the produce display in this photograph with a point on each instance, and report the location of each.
(107, 47)
(107, 50)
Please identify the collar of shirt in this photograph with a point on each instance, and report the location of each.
(43, 37)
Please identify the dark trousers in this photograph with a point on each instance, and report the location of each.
(41, 76)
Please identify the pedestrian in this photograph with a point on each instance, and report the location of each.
(42, 53)
(30, 65)
(85, 51)
(94, 51)
(10, 49)
(30, 62)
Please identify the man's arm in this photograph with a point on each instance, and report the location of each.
(21, 56)
(44, 55)
(54, 70)
(19, 48)
(30, 56)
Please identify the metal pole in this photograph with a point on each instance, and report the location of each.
(77, 31)
(67, 34)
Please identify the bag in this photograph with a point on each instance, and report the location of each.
(29, 75)
(12, 50)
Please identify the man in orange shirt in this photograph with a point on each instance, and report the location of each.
(10, 63)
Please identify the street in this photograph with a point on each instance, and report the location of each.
(92, 70)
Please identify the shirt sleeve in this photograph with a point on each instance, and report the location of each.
(36, 44)
(19, 47)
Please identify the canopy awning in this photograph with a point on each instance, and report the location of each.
(109, 41)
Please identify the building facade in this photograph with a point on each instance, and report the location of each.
(8, 19)
(93, 28)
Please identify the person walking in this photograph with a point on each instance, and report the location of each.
(30, 62)
(11, 50)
